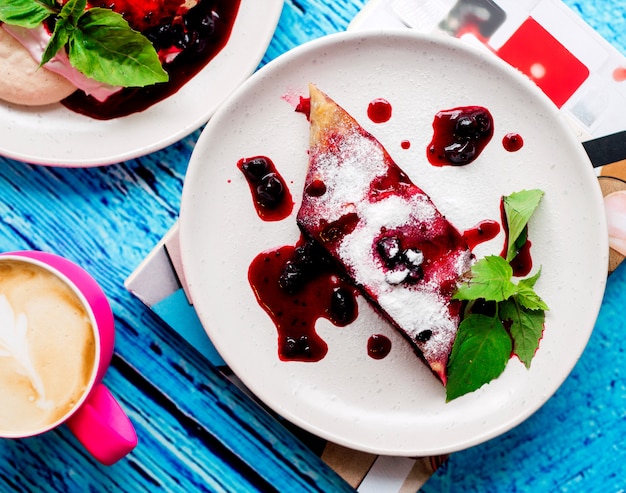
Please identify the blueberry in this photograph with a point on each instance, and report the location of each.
(472, 126)
(255, 169)
(465, 127)
(389, 250)
(297, 347)
(483, 124)
(207, 23)
(424, 335)
(460, 152)
(292, 278)
(270, 191)
(414, 275)
(342, 306)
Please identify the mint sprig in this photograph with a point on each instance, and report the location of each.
(99, 42)
(518, 208)
(514, 321)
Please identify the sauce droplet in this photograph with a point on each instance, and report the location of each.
(379, 110)
(512, 142)
(378, 346)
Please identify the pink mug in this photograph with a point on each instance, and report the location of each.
(56, 343)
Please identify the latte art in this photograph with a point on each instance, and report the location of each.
(47, 349)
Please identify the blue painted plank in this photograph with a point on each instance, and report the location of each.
(196, 431)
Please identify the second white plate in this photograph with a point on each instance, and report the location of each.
(53, 135)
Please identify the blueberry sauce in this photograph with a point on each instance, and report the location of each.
(272, 198)
(379, 110)
(512, 142)
(378, 346)
(197, 36)
(484, 231)
(296, 286)
(459, 135)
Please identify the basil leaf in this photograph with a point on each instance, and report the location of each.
(518, 208)
(67, 21)
(105, 48)
(26, 13)
(526, 329)
(480, 354)
(490, 279)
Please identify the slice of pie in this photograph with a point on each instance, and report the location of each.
(383, 231)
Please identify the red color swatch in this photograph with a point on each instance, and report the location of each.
(536, 53)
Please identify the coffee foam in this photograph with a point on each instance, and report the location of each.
(47, 349)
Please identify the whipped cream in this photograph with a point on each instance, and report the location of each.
(35, 41)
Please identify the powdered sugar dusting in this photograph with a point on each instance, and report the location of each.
(347, 174)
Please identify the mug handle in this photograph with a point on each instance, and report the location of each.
(102, 427)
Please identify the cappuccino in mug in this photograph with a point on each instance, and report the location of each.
(48, 351)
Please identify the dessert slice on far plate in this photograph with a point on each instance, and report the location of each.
(382, 231)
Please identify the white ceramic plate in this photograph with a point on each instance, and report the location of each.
(394, 405)
(53, 135)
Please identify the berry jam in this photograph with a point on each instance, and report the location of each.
(197, 35)
(512, 142)
(378, 346)
(304, 107)
(484, 231)
(296, 287)
(272, 198)
(379, 110)
(460, 135)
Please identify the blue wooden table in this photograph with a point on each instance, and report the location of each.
(197, 432)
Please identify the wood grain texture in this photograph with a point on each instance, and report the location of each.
(197, 432)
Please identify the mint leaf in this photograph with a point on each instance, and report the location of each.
(526, 329)
(490, 280)
(105, 48)
(526, 295)
(518, 208)
(485, 342)
(26, 13)
(479, 354)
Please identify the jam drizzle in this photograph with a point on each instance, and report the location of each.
(296, 288)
